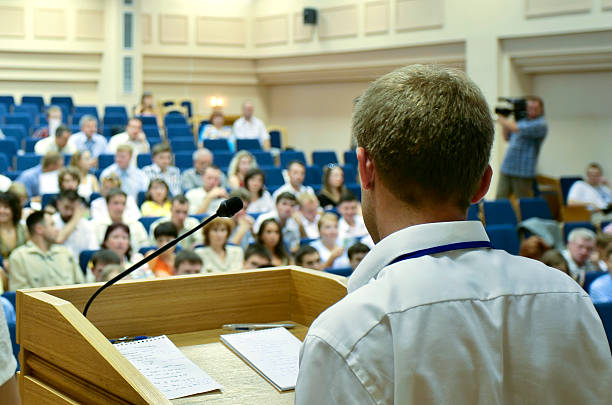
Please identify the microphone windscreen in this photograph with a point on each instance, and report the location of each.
(230, 207)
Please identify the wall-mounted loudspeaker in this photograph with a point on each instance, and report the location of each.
(310, 16)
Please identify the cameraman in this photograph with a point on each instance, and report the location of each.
(525, 137)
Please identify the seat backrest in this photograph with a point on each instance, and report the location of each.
(313, 176)
(63, 100)
(143, 159)
(344, 271)
(499, 212)
(324, 157)
(178, 131)
(350, 157)
(84, 258)
(85, 110)
(605, 313)
(504, 237)
(248, 144)
(182, 144)
(148, 120)
(473, 211)
(276, 139)
(222, 158)
(172, 119)
(8, 100)
(27, 160)
(566, 183)
(115, 110)
(536, 207)
(15, 131)
(37, 100)
(150, 131)
(274, 177)
(20, 118)
(105, 160)
(215, 145)
(4, 162)
(287, 156)
(589, 277)
(263, 158)
(147, 221)
(183, 159)
(9, 147)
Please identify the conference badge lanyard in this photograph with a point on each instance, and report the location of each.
(441, 249)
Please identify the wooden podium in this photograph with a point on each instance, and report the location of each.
(67, 358)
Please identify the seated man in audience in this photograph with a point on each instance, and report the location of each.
(594, 194)
(256, 256)
(243, 223)
(580, 247)
(57, 143)
(88, 138)
(192, 178)
(187, 262)
(163, 265)
(206, 199)
(309, 213)
(161, 168)
(75, 232)
(284, 213)
(296, 171)
(132, 136)
(116, 202)
(179, 216)
(133, 180)
(250, 127)
(41, 262)
(54, 120)
(308, 257)
(100, 260)
(356, 253)
(351, 227)
(47, 171)
(99, 209)
(601, 288)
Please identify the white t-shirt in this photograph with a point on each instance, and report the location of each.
(138, 147)
(581, 191)
(324, 253)
(348, 235)
(253, 129)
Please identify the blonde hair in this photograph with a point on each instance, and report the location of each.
(233, 166)
(125, 148)
(327, 217)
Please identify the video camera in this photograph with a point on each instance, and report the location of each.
(512, 106)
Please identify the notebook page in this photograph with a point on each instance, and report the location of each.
(173, 374)
(274, 353)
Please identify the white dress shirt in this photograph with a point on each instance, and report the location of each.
(349, 234)
(82, 238)
(599, 197)
(48, 145)
(196, 197)
(252, 129)
(459, 327)
(341, 262)
(138, 146)
(288, 188)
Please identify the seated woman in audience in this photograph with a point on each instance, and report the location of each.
(12, 232)
(68, 178)
(20, 191)
(117, 239)
(242, 162)
(163, 265)
(554, 258)
(82, 161)
(261, 200)
(332, 255)
(157, 200)
(147, 108)
(99, 209)
(333, 187)
(217, 255)
(216, 130)
(271, 237)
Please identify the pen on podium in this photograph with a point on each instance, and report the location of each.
(253, 326)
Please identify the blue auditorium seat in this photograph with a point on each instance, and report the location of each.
(9, 147)
(499, 212)
(116, 110)
(536, 207)
(288, 156)
(188, 106)
(314, 176)
(115, 120)
(27, 160)
(154, 141)
(105, 160)
(263, 158)
(20, 118)
(589, 277)
(147, 221)
(222, 158)
(80, 110)
(183, 160)
(37, 100)
(174, 119)
(350, 174)
(151, 131)
(566, 183)
(4, 162)
(472, 214)
(7, 100)
(248, 144)
(15, 131)
(350, 157)
(182, 144)
(274, 177)
(276, 139)
(178, 131)
(215, 145)
(143, 159)
(570, 226)
(504, 237)
(345, 271)
(323, 158)
(31, 109)
(85, 258)
(47, 198)
(148, 120)
(63, 100)
(605, 313)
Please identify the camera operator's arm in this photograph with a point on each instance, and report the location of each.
(508, 126)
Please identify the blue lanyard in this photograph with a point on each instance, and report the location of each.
(441, 249)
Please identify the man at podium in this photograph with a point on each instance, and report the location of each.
(433, 313)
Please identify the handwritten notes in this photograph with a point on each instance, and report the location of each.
(274, 353)
(173, 374)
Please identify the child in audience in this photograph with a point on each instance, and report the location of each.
(157, 200)
(333, 186)
(261, 200)
(117, 239)
(187, 262)
(356, 253)
(82, 161)
(100, 260)
(270, 236)
(308, 257)
(554, 258)
(256, 256)
(242, 162)
(163, 265)
(351, 227)
(217, 255)
(109, 272)
(332, 254)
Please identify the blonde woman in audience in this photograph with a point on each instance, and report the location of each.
(332, 254)
(217, 255)
(83, 162)
(242, 162)
(216, 130)
(333, 186)
(20, 191)
(13, 233)
(270, 236)
(157, 200)
(117, 239)
(261, 200)
(147, 108)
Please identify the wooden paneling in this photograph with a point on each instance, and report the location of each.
(539, 8)
(49, 23)
(221, 31)
(145, 24)
(90, 24)
(173, 29)
(418, 14)
(12, 22)
(271, 30)
(338, 22)
(301, 31)
(376, 17)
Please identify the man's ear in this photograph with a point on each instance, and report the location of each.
(366, 168)
(485, 182)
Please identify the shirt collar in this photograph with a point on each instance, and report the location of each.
(413, 238)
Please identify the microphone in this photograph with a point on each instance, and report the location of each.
(228, 208)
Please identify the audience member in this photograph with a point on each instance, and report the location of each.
(296, 173)
(580, 247)
(9, 389)
(5, 183)
(356, 253)
(594, 194)
(332, 254)
(99, 208)
(157, 200)
(554, 258)
(333, 186)
(41, 262)
(256, 256)
(601, 288)
(250, 127)
(132, 136)
(206, 199)
(192, 178)
(42, 178)
(533, 247)
(243, 222)
(117, 238)
(217, 255)
(163, 265)
(133, 180)
(260, 199)
(69, 178)
(161, 168)
(57, 143)
(179, 216)
(12, 232)
(88, 138)
(310, 215)
(525, 138)
(110, 271)
(241, 163)
(84, 163)
(54, 120)
(603, 242)
(216, 129)
(147, 108)
(351, 227)
(100, 260)
(75, 232)
(284, 214)
(19, 190)
(270, 237)
(308, 257)
(187, 262)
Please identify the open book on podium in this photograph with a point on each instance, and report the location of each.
(67, 358)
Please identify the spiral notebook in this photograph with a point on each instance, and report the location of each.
(274, 353)
(166, 367)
